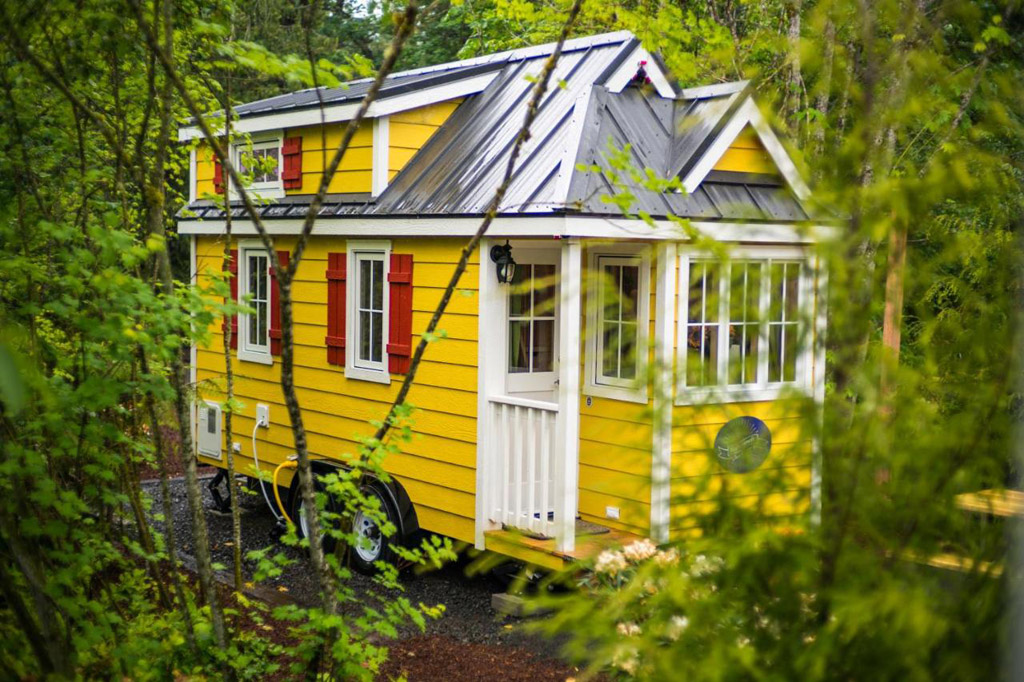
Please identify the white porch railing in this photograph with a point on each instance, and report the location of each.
(522, 437)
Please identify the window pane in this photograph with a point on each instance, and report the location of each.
(518, 346)
(790, 348)
(628, 356)
(271, 175)
(261, 331)
(365, 325)
(630, 291)
(611, 282)
(544, 290)
(519, 292)
(377, 336)
(778, 278)
(702, 356)
(378, 285)
(696, 310)
(365, 283)
(211, 420)
(610, 357)
(792, 292)
(543, 345)
(775, 353)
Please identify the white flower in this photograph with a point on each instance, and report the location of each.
(703, 566)
(640, 550)
(626, 660)
(611, 562)
(667, 557)
(629, 629)
(676, 626)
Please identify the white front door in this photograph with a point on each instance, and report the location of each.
(531, 326)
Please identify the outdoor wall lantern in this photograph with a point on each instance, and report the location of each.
(502, 257)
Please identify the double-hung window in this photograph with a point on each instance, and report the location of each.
(618, 322)
(741, 325)
(254, 325)
(367, 305)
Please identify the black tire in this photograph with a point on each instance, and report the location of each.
(298, 514)
(376, 547)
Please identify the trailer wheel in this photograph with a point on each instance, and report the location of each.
(372, 546)
(298, 515)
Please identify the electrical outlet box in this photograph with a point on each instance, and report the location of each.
(263, 415)
(236, 447)
(611, 513)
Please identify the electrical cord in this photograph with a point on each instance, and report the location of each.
(259, 475)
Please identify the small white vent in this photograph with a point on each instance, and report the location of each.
(208, 436)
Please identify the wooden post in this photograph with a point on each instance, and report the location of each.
(567, 453)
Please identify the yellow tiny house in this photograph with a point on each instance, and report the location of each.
(601, 377)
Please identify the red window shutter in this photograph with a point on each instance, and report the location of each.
(337, 266)
(275, 306)
(400, 316)
(232, 269)
(218, 176)
(291, 171)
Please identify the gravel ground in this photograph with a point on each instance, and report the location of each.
(467, 599)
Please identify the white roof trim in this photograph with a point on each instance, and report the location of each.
(620, 79)
(347, 110)
(716, 90)
(748, 113)
(541, 226)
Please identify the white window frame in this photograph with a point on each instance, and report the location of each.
(595, 384)
(354, 367)
(761, 389)
(247, 351)
(268, 140)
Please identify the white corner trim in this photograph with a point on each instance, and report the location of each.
(748, 113)
(193, 353)
(591, 383)
(820, 327)
(622, 75)
(566, 461)
(352, 370)
(664, 354)
(487, 381)
(381, 148)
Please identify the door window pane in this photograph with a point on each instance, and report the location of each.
(531, 319)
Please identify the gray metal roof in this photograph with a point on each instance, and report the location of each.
(579, 124)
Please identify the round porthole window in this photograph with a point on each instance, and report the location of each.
(743, 444)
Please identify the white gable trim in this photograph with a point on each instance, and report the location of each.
(345, 112)
(618, 81)
(748, 113)
(716, 90)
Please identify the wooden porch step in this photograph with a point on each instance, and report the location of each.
(591, 540)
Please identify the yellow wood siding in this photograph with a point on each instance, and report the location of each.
(747, 155)
(438, 465)
(410, 130)
(779, 487)
(615, 443)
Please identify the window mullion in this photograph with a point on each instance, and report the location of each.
(763, 325)
(724, 287)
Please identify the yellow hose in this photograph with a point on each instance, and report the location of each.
(277, 491)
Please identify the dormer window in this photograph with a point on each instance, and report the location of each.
(261, 160)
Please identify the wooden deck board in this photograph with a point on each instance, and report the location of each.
(543, 551)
